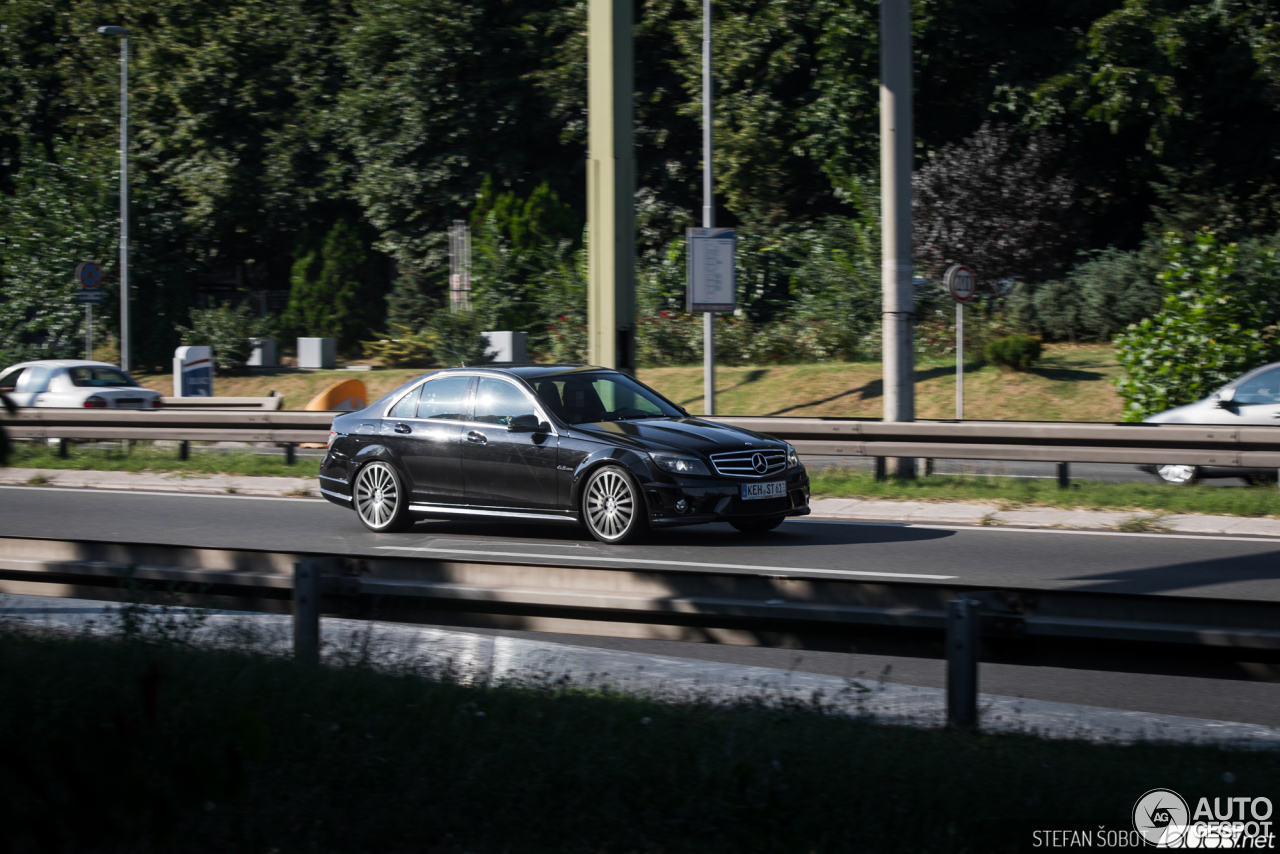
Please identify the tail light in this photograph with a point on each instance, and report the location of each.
(332, 436)
(157, 403)
(95, 402)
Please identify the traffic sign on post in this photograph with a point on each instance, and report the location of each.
(962, 285)
(712, 280)
(89, 277)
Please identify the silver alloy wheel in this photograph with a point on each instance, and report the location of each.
(611, 506)
(377, 495)
(1176, 474)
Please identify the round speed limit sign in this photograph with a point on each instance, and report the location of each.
(960, 283)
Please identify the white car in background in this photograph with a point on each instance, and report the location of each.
(75, 384)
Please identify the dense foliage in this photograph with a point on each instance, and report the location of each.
(228, 332)
(1217, 321)
(324, 147)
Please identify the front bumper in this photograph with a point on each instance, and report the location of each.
(719, 499)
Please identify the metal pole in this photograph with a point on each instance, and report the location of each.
(306, 610)
(88, 331)
(1064, 475)
(708, 212)
(959, 361)
(895, 209)
(963, 640)
(124, 202)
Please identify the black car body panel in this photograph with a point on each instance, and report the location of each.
(457, 466)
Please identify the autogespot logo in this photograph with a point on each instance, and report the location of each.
(1161, 817)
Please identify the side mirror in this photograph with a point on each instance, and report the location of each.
(527, 424)
(1225, 397)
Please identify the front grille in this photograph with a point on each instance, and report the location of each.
(744, 463)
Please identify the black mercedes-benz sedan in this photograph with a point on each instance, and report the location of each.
(554, 444)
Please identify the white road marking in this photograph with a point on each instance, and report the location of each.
(774, 570)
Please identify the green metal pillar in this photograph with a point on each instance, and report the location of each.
(611, 290)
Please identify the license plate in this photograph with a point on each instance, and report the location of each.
(773, 489)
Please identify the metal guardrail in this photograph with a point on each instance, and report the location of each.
(272, 402)
(787, 608)
(1060, 442)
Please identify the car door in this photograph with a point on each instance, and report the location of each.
(505, 469)
(424, 429)
(1257, 400)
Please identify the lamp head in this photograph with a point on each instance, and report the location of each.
(112, 31)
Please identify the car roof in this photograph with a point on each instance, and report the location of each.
(64, 363)
(527, 372)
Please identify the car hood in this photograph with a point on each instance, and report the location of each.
(676, 434)
(1200, 412)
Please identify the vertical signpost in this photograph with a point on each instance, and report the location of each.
(712, 287)
(961, 284)
(89, 278)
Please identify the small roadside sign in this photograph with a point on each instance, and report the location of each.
(960, 283)
(89, 278)
(712, 280)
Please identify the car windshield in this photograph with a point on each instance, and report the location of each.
(94, 377)
(590, 398)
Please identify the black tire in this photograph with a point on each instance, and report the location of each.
(757, 524)
(613, 507)
(380, 500)
(1178, 475)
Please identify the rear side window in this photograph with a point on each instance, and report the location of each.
(93, 377)
(9, 381)
(497, 402)
(36, 379)
(406, 406)
(445, 398)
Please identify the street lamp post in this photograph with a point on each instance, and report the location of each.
(124, 189)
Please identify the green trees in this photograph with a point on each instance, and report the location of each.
(1218, 320)
(57, 216)
(336, 288)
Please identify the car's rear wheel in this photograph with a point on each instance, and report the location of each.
(757, 524)
(1177, 474)
(380, 499)
(613, 508)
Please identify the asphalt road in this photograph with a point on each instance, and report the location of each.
(1133, 563)
(1177, 565)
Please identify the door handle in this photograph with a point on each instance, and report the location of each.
(477, 438)
(403, 428)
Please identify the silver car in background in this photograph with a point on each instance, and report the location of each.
(75, 384)
(1252, 400)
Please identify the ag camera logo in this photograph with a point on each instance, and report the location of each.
(1161, 817)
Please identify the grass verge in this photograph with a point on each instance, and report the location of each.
(145, 457)
(1008, 492)
(134, 746)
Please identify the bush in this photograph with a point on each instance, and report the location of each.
(227, 331)
(1094, 302)
(456, 338)
(1218, 321)
(402, 347)
(1018, 352)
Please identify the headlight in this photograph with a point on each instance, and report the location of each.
(793, 459)
(679, 463)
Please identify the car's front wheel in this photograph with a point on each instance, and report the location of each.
(613, 508)
(757, 524)
(1177, 474)
(380, 499)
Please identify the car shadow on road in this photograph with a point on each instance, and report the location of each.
(1172, 578)
(697, 538)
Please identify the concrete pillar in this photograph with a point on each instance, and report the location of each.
(610, 186)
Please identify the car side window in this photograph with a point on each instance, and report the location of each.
(406, 406)
(35, 380)
(498, 401)
(444, 399)
(1263, 388)
(9, 381)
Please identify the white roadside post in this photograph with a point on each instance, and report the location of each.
(961, 284)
